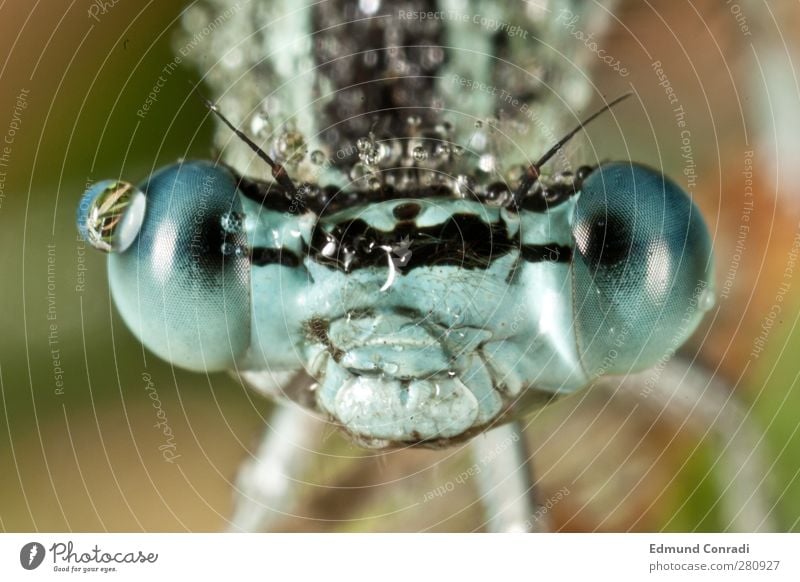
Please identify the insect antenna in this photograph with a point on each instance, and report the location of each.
(533, 172)
(278, 171)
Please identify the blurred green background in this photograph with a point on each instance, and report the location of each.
(88, 458)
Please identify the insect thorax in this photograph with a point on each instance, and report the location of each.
(363, 95)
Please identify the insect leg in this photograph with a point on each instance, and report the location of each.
(266, 488)
(702, 402)
(505, 482)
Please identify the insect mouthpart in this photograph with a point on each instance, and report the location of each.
(392, 378)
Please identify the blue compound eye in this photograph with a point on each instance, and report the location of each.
(181, 276)
(642, 269)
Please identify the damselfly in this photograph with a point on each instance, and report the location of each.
(407, 250)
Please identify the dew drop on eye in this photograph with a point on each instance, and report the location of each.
(707, 299)
(110, 215)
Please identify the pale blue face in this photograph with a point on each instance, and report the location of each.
(422, 319)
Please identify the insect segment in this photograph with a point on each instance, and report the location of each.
(425, 311)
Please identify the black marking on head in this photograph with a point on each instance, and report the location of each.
(207, 242)
(268, 194)
(549, 253)
(406, 211)
(582, 173)
(317, 330)
(262, 256)
(544, 199)
(604, 239)
(465, 240)
(329, 199)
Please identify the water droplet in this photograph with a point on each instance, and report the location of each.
(290, 147)
(369, 7)
(479, 141)
(375, 155)
(458, 151)
(363, 143)
(329, 249)
(110, 215)
(259, 124)
(464, 186)
(414, 120)
(441, 151)
(359, 171)
(233, 58)
(232, 222)
(432, 57)
(390, 368)
(374, 184)
(318, 157)
(443, 128)
(273, 107)
(487, 163)
(232, 249)
(371, 58)
(478, 124)
(497, 194)
(420, 154)
(707, 299)
(370, 152)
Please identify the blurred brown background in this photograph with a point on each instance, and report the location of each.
(88, 458)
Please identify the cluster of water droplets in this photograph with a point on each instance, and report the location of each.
(285, 144)
(421, 155)
(232, 223)
(425, 156)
